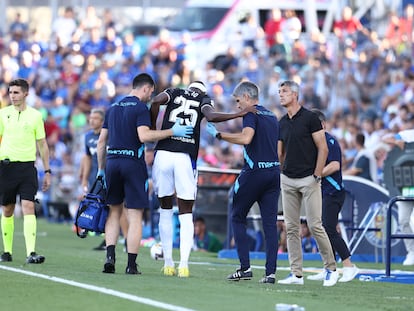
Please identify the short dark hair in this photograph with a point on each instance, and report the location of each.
(20, 82)
(360, 139)
(199, 219)
(142, 79)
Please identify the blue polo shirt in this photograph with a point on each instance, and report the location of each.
(122, 120)
(261, 153)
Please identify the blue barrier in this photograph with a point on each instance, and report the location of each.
(390, 235)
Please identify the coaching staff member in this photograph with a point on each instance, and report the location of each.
(302, 152)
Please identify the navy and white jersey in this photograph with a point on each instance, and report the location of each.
(122, 119)
(333, 182)
(261, 153)
(186, 105)
(91, 142)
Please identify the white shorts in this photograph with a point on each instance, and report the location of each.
(173, 173)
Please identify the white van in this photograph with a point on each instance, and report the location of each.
(214, 24)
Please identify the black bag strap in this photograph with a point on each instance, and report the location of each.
(95, 184)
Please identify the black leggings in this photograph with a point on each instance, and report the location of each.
(331, 206)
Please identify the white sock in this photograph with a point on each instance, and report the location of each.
(166, 235)
(186, 238)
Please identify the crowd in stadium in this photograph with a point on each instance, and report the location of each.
(361, 79)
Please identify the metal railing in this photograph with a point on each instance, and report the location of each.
(391, 235)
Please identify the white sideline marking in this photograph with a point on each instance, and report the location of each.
(103, 290)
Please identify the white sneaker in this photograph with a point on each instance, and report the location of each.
(348, 274)
(331, 278)
(291, 279)
(317, 277)
(409, 260)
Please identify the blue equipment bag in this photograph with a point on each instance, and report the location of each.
(93, 211)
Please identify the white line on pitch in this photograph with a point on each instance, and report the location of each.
(103, 290)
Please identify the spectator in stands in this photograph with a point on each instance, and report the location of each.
(364, 164)
(251, 32)
(371, 135)
(162, 50)
(291, 27)
(308, 241)
(280, 51)
(399, 30)
(348, 25)
(272, 26)
(94, 45)
(302, 153)
(281, 229)
(64, 27)
(205, 240)
(395, 29)
(90, 19)
(228, 62)
(18, 29)
(108, 19)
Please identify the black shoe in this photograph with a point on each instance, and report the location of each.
(6, 257)
(100, 247)
(35, 258)
(83, 233)
(132, 270)
(109, 266)
(240, 275)
(270, 279)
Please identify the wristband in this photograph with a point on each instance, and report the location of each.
(49, 171)
(218, 136)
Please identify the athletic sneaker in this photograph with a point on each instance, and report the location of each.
(291, 279)
(409, 260)
(270, 279)
(331, 278)
(132, 270)
(35, 258)
(183, 273)
(109, 266)
(6, 257)
(317, 277)
(348, 274)
(240, 275)
(100, 247)
(168, 271)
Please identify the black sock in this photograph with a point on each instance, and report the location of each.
(132, 258)
(110, 251)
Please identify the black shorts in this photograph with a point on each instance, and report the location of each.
(17, 178)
